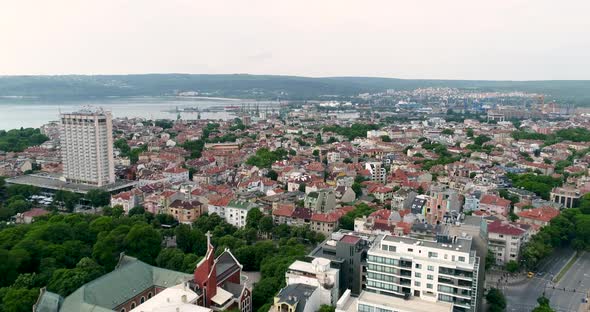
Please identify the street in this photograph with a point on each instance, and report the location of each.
(522, 295)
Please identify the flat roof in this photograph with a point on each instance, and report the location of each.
(413, 304)
(462, 244)
(53, 181)
(171, 299)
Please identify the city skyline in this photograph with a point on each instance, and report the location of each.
(506, 40)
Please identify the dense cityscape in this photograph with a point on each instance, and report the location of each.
(433, 199)
(294, 156)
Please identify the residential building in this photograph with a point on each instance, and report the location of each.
(235, 212)
(322, 201)
(445, 270)
(471, 203)
(87, 147)
(186, 211)
(494, 204)
(374, 302)
(347, 252)
(318, 274)
(297, 298)
(506, 238)
(441, 202)
(175, 175)
(538, 216)
(377, 171)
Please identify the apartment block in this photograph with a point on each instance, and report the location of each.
(87, 147)
(443, 271)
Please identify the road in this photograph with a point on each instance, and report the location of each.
(522, 296)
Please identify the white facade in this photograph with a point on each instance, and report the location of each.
(433, 271)
(319, 274)
(234, 213)
(378, 173)
(87, 147)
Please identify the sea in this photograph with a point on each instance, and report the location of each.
(34, 112)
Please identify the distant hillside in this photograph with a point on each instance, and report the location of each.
(260, 86)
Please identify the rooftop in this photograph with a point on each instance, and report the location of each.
(463, 244)
(414, 304)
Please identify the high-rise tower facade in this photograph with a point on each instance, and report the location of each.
(87, 147)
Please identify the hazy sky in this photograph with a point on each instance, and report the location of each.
(466, 39)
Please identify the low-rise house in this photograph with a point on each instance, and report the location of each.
(494, 204)
(186, 211)
(177, 174)
(127, 200)
(506, 238)
(538, 216)
(322, 201)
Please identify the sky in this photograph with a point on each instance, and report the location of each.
(429, 39)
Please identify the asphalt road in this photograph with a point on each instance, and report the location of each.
(523, 296)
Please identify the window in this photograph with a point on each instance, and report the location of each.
(430, 268)
(383, 247)
(149, 295)
(430, 277)
(416, 283)
(461, 259)
(123, 310)
(418, 266)
(410, 250)
(132, 305)
(392, 248)
(142, 300)
(432, 254)
(429, 286)
(417, 274)
(446, 256)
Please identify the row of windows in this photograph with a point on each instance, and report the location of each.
(382, 277)
(381, 285)
(368, 308)
(383, 268)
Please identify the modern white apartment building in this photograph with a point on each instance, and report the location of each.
(87, 147)
(319, 274)
(445, 271)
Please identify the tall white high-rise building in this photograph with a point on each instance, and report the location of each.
(87, 147)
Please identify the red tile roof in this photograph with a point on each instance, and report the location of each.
(544, 214)
(494, 200)
(506, 228)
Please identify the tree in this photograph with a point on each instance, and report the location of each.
(302, 187)
(143, 242)
(98, 197)
(543, 305)
(490, 259)
(8, 268)
(495, 298)
(469, 133)
(327, 308)
(253, 218)
(347, 221)
(137, 210)
(19, 299)
(266, 224)
(358, 189)
(385, 138)
(512, 266)
(273, 175)
(18, 206)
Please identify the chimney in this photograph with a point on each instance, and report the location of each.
(183, 299)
